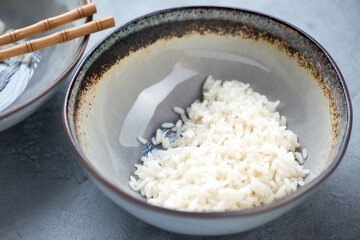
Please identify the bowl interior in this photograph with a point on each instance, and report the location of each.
(55, 60)
(127, 87)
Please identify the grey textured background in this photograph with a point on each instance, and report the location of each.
(45, 194)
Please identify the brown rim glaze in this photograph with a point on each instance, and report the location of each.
(57, 80)
(230, 214)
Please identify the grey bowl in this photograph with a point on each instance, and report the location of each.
(128, 84)
(56, 61)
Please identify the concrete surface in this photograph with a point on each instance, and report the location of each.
(46, 195)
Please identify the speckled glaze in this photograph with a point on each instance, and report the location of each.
(56, 61)
(112, 100)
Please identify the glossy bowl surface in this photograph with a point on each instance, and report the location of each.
(55, 62)
(127, 85)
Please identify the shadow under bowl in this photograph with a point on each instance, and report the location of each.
(127, 85)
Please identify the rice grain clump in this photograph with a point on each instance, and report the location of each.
(233, 151)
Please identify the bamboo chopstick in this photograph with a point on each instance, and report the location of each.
(48, 24)
(58, 37)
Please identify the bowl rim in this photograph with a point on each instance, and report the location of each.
(74, 61)
(301, 192)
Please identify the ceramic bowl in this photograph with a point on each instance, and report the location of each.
(127, 85)
(55, 62)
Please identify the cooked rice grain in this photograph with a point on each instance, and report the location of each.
(233, 151)
(142, 140)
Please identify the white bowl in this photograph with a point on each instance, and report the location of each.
(128, 84)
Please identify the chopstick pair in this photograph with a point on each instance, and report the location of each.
(55, 38)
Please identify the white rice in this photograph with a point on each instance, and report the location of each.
(179, 123)
(142, 140)
(299, 157)
(158, 136)
(233, 151)
(167, 125)
(179, 110)
(283, 121)
(166, 143)
(304, 153)
(183, 117)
